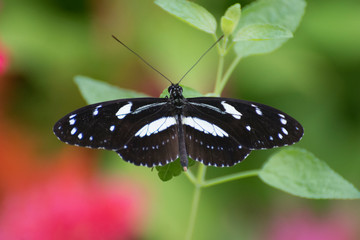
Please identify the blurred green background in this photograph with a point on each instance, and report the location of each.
(314, 77)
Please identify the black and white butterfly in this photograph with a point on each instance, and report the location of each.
(150, 132)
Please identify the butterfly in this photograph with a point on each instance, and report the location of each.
(150, 132)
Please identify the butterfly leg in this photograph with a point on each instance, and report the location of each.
(182, 148)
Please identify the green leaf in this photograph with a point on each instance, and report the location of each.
(300, 173)
(187, 92)
(172, 169)
(191, 13)
(95, 91)
(259, 32)
(169, 171)
(231, 18)
(284, 13)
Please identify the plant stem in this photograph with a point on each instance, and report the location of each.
(219, 73)
(231, 177)
(220, 87)
(193, 213)
(196, 199)
(199, 182)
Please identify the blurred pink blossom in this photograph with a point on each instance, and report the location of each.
(61, 196)
(4, 61)
(69, 205)
(306, 225)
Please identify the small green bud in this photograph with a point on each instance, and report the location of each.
(231, 18)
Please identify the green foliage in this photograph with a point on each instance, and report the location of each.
(286, 13)
(263, 27)
(259, 32)
(283, 13)
(169, 171)
(300, 173)
(95, 91)
(230, 20)
(269, 22)
(191, 13)
(172, 169)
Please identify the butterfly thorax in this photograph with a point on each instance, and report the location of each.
(176, 97)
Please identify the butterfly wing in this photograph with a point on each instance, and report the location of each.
(141, 130)
(229, 129)
(212, 150)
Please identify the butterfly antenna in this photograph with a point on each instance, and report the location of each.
(214, 44)
(142, 59)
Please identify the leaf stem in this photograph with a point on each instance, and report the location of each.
(191, 177)
(231, 177)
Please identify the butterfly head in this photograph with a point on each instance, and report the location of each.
(175, 91)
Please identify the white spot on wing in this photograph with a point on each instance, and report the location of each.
(231, 110)
(248, 128)
(80, 136)
(96, 111)
(123, 111)
(91, 138)
(204, 126)
(283, 121)
(73, 131)
(258, 111)
(72, 121)
(112, 128)
(72, 116)
(156, 126)
(280, 136)
(284, 131)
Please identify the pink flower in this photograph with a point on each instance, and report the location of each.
(305, 225)
(69, 205)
